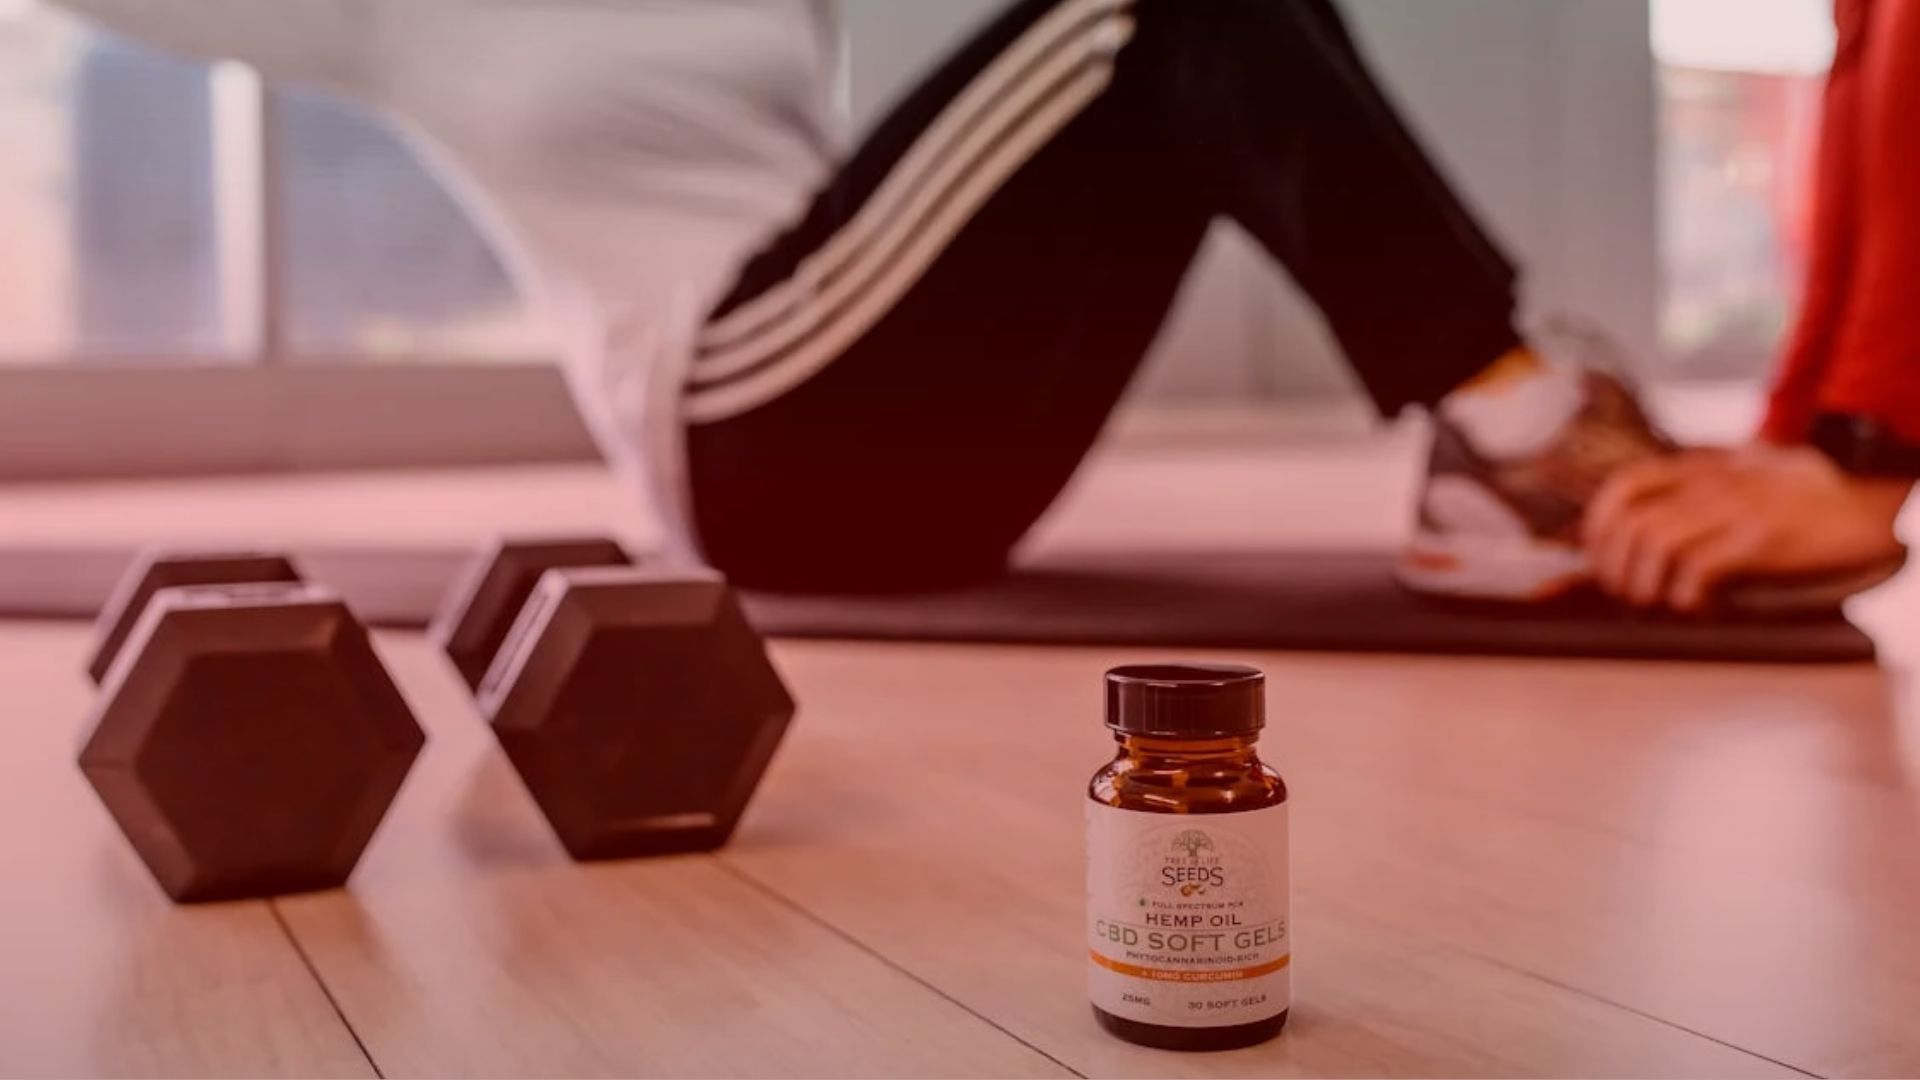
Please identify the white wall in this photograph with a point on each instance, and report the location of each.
(1542, 111)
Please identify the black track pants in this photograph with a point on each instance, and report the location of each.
(900, 385)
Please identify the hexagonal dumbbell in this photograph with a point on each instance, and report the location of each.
(636, 703)
(247, 740)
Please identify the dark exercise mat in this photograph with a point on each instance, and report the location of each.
(1346, 602)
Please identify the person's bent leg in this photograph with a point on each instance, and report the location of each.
(1304, 150)
(901, 384)
(1302, 147)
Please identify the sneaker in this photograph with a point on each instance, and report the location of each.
(1510, 531)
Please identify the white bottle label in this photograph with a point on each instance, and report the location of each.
(1187, 916)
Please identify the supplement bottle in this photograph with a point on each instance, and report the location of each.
(1187, 863)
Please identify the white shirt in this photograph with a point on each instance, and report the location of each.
(627, 156)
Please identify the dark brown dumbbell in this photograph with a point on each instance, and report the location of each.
(247, 740)
(636, 703)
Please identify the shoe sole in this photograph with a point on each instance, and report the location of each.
(1513, 570)
(1532, 571)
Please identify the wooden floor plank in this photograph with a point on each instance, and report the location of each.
(100, 975)
(468, 945)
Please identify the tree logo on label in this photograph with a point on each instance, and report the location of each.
(1193, 842)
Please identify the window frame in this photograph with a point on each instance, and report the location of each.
(186, 418)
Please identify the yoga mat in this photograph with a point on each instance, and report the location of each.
(1329, 601)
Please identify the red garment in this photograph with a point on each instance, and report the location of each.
(1856, 346)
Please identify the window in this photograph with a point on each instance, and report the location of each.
(202, 274)
(144, 221)
(1740, 84)
(378, 261)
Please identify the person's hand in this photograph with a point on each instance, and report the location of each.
(1665, 532)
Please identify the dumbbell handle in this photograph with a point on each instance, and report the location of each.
(481, 611)
(153, 572)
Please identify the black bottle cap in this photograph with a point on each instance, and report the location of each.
(1186, 701)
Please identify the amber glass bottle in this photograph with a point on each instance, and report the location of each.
(1187, 863)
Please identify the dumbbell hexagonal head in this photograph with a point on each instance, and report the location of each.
(156, 570)
(485, 604)
(250, 742)
(639, 707)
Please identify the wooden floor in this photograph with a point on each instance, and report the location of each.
(1502, 867)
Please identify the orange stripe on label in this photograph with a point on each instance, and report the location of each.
(1167, 975)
